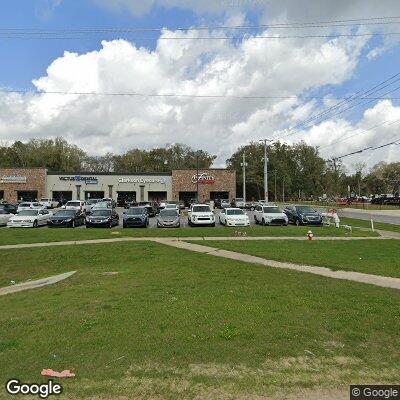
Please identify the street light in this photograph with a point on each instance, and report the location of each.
(265, 167)
(244, 165)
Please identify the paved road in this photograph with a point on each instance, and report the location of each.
(389, 216)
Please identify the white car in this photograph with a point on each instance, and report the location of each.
(49, 203)
(225, 203)
(4, 217)
(239, 202)
(233, 217)
(101, 205)
(269, 215)
(77, 205)
(200, 214)
(29, 219)
(32, 205)
(171, 206)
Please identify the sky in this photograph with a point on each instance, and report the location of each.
(271, 86)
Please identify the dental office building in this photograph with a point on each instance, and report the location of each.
(29, 184)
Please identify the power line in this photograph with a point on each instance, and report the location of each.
(359, 95)
(305, 24)
(368, 148)
(246, 37)
(211, 96)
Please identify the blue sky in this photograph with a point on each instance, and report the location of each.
(23, 60)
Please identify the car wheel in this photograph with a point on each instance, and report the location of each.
(263, 221)
(213, 225)
(255, 220)
(189, 222)
(35, 224)
(123, 225)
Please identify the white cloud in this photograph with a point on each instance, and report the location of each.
(254, 67)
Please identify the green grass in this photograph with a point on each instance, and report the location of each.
(21, 235)
(173, 324)
(367, 224)
(378, 257)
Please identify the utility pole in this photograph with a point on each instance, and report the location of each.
(265, 168)
(244, 165)
(275, 197)
(197, 175)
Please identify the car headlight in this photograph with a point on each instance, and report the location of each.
(68, 220)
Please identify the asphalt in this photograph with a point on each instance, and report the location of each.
(389, 216)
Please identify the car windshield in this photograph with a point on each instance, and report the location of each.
(25, 205)
(74, 203)
(26, 213)
(201, 209)
(305, 209)
(102, 204)
(36, 205)
(170, 206)
(234, 212)
(168, 213)
(135, 211)
(272, 210)
(65, 213)
(44, 199)
(101, 213)
(239, 199)
(92, 201)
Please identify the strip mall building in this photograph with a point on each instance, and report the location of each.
(35, 183)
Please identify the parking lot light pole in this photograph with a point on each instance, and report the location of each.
(265, 141)
(244, 165)
(197, 176)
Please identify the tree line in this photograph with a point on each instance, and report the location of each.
(295, 171)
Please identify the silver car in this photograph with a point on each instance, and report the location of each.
(168, 218)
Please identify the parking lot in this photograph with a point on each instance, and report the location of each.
(153, 220)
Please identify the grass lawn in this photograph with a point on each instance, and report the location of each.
(367, 224)
(21, 235)
(377, 257)
(173, 324)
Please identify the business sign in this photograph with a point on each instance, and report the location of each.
(203, 178)
(88, 180)
(13, 179)
(161, 181)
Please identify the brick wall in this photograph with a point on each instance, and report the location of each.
(225, 181)
(35, 181)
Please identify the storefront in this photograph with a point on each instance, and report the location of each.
(22, 184)
(212, 184)
(120, 187)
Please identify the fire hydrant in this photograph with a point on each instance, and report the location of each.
(310, 235)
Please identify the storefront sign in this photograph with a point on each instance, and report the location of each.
(13, 179)
(162, 181)
(203, 178)
(89, 180)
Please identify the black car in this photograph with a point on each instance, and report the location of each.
(303, 215)
(66, 219)
(10, 208)
(103, 218)
(136, 217)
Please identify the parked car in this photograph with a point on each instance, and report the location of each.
(101, 205)
(77, 205)
(135, 217)
(48, 203)
(109, 200)
(225, 203)
(11, 208)
(151, 210)
(33, 205)
(106, 217)
(168, 218)
(233, 217)
(162, 204)
(5, 216)
(172, 206)
(29, 219)
(130, 203)
(200, 214)
(238, 202)
(91, 202)
(270, 215)
(66, 218)
(303, 215)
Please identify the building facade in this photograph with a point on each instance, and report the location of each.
(132, 187)
(18, 184)
(35, 183)
(212, 184)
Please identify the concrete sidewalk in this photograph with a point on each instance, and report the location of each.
(35, 284)
(377, 280)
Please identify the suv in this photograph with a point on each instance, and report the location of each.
(77, 205)
(200, 214)
(303, 215)
(49, 203)
(238, 202)
(269, 215)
